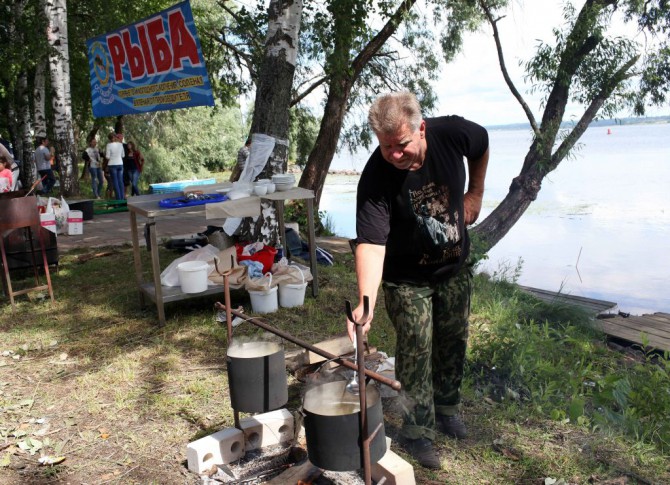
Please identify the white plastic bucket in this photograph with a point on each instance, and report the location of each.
(293, 294)
(264, 301)
(193, 276)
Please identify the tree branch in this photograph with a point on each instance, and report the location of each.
(305, 93)
(240, 20)
(382, 36)
(242, 57)
(590, 113)
(503, 68)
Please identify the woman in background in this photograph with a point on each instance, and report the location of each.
(135, 165)
(95, 168)
(114, 154)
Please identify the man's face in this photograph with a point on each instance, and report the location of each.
(404, 149)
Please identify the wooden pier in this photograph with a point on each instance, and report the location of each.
(652, 330)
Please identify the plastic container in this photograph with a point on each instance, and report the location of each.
(264, 301)
(293, 294)
(193, 276)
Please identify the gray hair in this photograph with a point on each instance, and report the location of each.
(389, 112)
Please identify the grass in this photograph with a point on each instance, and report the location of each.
(92, 378)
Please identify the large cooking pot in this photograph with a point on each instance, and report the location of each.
(257, 376)
(332, 426)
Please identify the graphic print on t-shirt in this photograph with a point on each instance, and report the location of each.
(437, 231)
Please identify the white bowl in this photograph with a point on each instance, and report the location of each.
(283, 187)
(261, 189)
(271, 188)
(283, 178)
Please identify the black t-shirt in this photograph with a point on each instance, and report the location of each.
(418, 215)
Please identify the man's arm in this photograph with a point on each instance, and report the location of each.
(472, 201)
(369, 267)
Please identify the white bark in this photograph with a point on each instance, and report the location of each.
(273, 95)
(56, 14)
(39, 95)
(283, 32)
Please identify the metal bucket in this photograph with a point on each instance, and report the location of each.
(257, 376)
(332, 426)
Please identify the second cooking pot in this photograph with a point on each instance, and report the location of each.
(257, 376)
(332, 426)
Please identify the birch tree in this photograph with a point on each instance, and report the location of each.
(61, 103)
(273, 98)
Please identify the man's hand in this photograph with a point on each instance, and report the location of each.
(472, 204)
(358, 314)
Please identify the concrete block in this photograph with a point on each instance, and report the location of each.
(267, 429)
(220, 448)
(396, 470)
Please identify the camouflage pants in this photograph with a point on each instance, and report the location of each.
(431, 324)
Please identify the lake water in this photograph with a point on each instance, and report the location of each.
(600, 227)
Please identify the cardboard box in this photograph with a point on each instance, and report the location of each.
(48, 222)
(75, 223)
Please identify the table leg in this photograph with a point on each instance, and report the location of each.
(312, 246)
(156, 271)
(279, 207)
(136, 255)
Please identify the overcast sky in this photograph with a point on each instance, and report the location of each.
(473, 86)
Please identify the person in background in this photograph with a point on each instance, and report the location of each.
(134, 165)
(411, 217)
(114, 153)
(6, 161)
(242, 157)
(95, 168)
(43, 165)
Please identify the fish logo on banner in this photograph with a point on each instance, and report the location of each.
(154, 64)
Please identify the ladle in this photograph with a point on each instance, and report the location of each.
(353, 387)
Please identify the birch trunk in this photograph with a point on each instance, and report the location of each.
(56, 13)
(273, 97)
(39, 95)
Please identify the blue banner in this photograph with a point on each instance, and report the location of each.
(154, 64)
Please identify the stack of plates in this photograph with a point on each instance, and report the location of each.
(284, 181)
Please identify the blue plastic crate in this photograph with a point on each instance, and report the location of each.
(178, 185)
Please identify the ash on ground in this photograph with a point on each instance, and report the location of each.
(261, 466)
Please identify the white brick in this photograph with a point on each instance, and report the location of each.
(267, 429)
(396, 470)
(220, 448)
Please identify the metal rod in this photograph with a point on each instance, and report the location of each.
(229, 320)
(260, 322)
(362, 391)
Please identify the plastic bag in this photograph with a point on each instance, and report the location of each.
(170, 276)
(59, 208)
(226, 260)
(291, 274)
(263, 283)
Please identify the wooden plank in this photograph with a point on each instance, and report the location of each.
(305, 472)
(336, 346)
(588, 304)
(632, 333)
(641, 324)
(659, 317)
